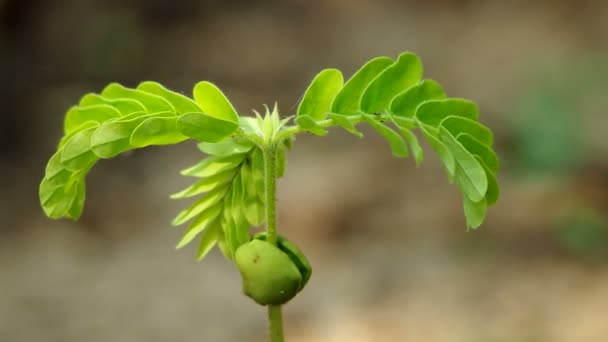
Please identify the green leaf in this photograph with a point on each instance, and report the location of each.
(493, 190)
(208, 240)
(398, 146)
(77, 154)
(112, 138)
(207, 216)
(214, 165)
(469, 173)
(78, 202)
(214, 103)
(181, 103)
(157, 131)
(405, 72)
(228, 225)
(249, 125)
(309, 124)
(348, 100)
(206, 184)
(205, 127)
(458, 124)
(406, 102)
(123, 105)
(433, 112)
(257, 170)
(320, 93)
(226, 147)
(54, 165)
(477, 148)
(442, 151)
(61, 194)
(68, 136)
(51, 184)
(241, 226)
(252, 206)
(412, 141)
(206, 202)
(222, 244)
(344, 122)
(474, 212)
(153, 103)
(59, 203)
(77, 116)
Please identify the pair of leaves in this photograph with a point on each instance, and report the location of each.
(386, 93)
(120, 119)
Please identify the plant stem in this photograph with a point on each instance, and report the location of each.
(275, 318)
(270, 184)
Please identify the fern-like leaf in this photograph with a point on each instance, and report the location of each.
(386, 93)
(120, 119)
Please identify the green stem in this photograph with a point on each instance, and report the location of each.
(270, 184)
(275, 318)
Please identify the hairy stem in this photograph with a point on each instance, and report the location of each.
(275, 318)
(270, 184)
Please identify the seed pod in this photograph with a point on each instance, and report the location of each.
(269, 275)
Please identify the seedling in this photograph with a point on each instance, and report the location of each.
(236, 182)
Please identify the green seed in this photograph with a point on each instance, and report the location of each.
(294, 253)
(269, 276)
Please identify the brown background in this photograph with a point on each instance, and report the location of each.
(392, 260)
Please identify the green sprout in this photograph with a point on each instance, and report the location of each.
(235, 184)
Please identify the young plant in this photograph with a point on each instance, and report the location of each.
(235, 184)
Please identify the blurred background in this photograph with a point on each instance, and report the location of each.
(392, 259)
